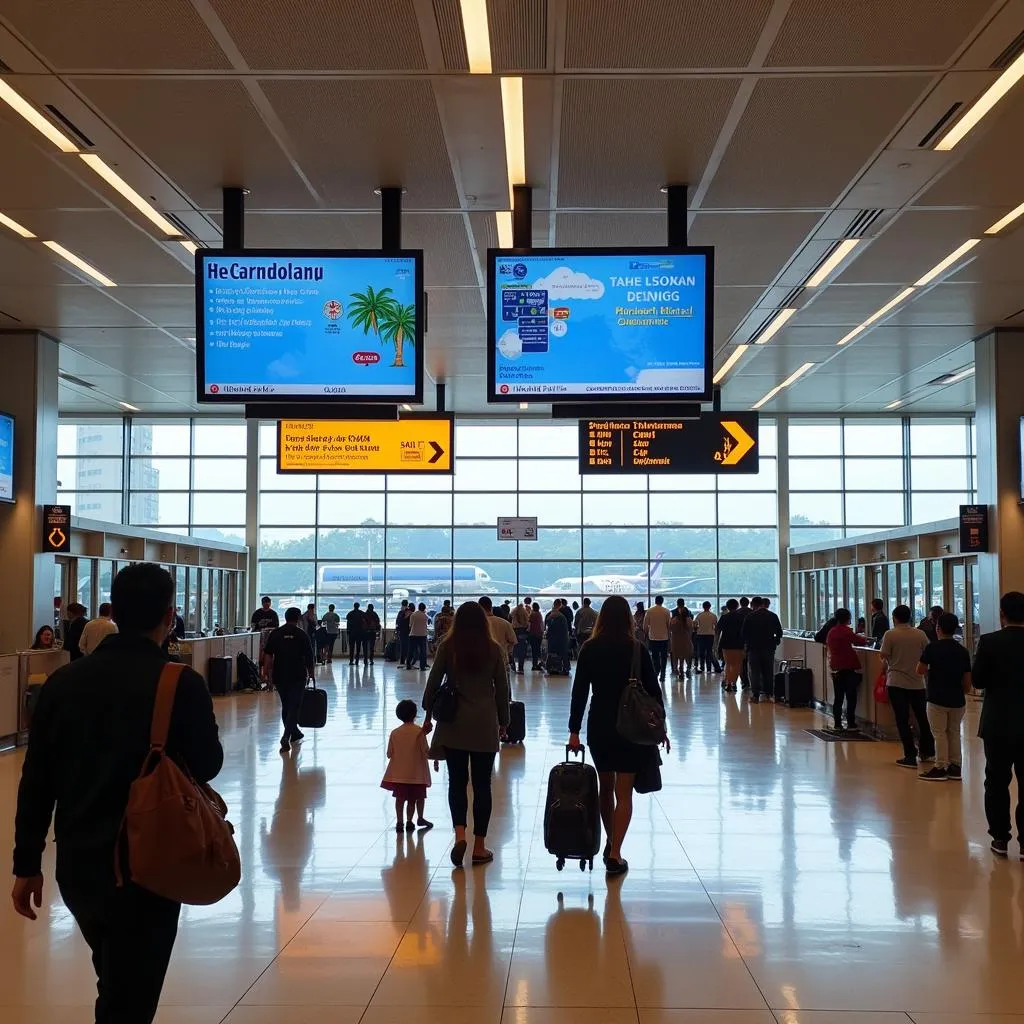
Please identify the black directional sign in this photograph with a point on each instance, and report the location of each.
(57, 528)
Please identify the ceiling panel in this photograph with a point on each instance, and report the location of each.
(831, 127)
(870, 33)
(66, 306)
(349, 153)
(518, 34)
(968, 304)
(731, 308)
(841, 306)
(662, 34)
(320, 35)
(28, 263)
(203, 135)
(170, 306)
(604, 229)
(32, 178)
(641, 143)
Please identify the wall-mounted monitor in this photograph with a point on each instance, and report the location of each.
(301, 325)
(600, 324)
(6, 457)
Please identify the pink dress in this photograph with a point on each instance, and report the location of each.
(408, 774)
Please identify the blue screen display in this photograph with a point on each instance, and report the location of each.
(600, 325)
(6, 457)
(281, 324)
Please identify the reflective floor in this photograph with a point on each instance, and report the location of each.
(775, 878)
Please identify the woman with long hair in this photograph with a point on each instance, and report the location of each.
(604, 667)
(477, 668)
(45, 639)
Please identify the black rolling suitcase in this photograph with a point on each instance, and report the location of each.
(248, 673)
(313, 710)
(391, 650)
(516, 731)
(555, 665)
(572, 815)
(779, 680)
(799, 685)
(218, 675)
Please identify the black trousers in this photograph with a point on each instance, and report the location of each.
(535, 644)
(355, 644)
(403, 647)
(659, 654)
(846, 683)
(464, 765)
(369, 642)
(291, 701)
(130, 931)
(417, 649)
(903, 702)
(762, 672)
(745, 672)
(705, 651)
(1004, 758)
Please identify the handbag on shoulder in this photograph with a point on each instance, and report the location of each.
(446, 701)
(641, 717)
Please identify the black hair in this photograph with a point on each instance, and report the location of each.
(141, 595)
(843, 616)
(586, 602)
(1011, 604)
(406, 711)
(105, 610)
(706, 606)
(292, 615)
(948, 623)
(659, 600)
(901, 613)
(264, 598)
(744, 602)
(877, 603)
(732, 604)
(486, 603)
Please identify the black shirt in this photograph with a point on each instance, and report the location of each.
(558, 632)
(293, 654)
(762, 630)
(355, 621)
(264, 618)
(89, 737)
(602, 674)
(73, 635)
(999, 671)
(947, 662)
(879, 625)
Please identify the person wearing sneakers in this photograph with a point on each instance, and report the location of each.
(901, 650)
(947, 667)
(997, 671)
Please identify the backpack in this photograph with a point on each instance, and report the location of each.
(179, 842)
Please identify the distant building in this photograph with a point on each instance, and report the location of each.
(95, 474)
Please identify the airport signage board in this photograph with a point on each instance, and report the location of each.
(415, 444)
(56, 529)
(517, 527)
(724, 443)
(973, 529)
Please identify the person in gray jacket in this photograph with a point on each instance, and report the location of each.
(469, 743)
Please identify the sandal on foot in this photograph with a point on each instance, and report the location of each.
(424, 824)
(459, 853)
(617, 867)
(483, 858)
(607, 853)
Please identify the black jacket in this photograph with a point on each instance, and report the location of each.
(999, 670)
(602, 674)
(89, 737)
(879, 625)
(72, 636)
(762, 630)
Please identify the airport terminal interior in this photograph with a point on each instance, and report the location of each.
(434, 300)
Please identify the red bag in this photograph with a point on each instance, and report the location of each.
(881, 695)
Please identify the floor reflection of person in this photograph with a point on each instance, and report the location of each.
(287, 844)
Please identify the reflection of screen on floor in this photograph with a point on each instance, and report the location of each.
(612, 324)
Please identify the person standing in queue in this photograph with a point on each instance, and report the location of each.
(502, 632)
(77, 622)
(443, 621)
(332, 623)
(901, 650)
(371, 628)
(846, 669)
(98, 629)
(656, 625)
(519, 620)
(761, 636)
(879, 620)
(947, 667)
(706, 623)
(536, 634)
(558, 637)
(997, 672)
(402, 630)
(681, 640)
(743, 611)
(418, 623)
(263, 621)
(355, 623)
(729, 634)
(602, 674)
(476, 666)
(290, 662)
(90, 734)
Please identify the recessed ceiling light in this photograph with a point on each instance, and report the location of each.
(733, 359)
(790, 380)
(877, 315)
(841, 251)
(1005, 221)
(961, 375)
(119, 185)
(77, 261)
(896, 404)
(947, 262)
(503, 219)
(129, 408)
(988, 99)
(524, 405)
(778, 322)
(190, 247)
(478, 39)
(515, 139)
(17, 228)
(18, 103)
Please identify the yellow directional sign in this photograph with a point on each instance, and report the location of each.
(744, 442)
(417, 444)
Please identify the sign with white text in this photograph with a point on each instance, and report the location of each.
(517, 527)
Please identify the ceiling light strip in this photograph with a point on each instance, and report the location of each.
(877, 315)
(895, 405)
(960, 376)
(189, 246)
(788, 382)
(119, 185)
(945, 264)
(18, 103)
(477, 34)
(737, 354)
(778, 322)
(77, 261)
(1005, 221)
(17, 228)
(988, 99)
(503, 220)
(128, 407)
(515, 133)
(841, 251)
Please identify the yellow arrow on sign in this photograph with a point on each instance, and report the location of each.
(744, 442)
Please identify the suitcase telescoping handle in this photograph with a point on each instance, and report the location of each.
(582, 752)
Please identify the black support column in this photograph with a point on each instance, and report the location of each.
(234, 217)
(391, 218)
(522, 216)
(677, 215)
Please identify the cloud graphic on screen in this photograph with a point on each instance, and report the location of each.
(566, 283)
(286, 367)
(510, 345)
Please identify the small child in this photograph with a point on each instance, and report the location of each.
(947, 665)
(408, 774)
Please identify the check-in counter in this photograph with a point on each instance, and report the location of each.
(21, 676)
(875, 717)
(197, 652)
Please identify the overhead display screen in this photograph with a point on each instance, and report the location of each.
(305, 325)
(6, 457)
(600, 324)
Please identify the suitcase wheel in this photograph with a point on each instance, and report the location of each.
(583, 865)
(560, 863)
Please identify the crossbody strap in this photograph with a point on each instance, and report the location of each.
(163, 706)
(635, 667)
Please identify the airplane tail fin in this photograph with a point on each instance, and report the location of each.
(656, 568)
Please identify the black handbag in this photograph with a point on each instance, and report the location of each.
(641, 717)
(446, 701)
(648, 779)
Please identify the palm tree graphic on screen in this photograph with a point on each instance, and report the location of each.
(398, 326)
(368, 308)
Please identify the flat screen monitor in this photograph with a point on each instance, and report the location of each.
(6, 457)
(600, 324)
(301, 325)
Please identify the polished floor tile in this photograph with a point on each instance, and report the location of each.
(775, 878)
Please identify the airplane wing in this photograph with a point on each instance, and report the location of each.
(680, 584)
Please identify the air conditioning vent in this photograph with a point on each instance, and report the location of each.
(77, 134)
(72, 379)
(1009, 55)
(861, 223)
(939, 125)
